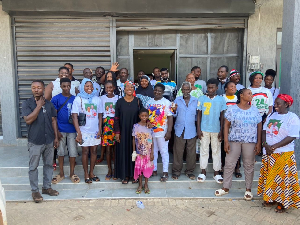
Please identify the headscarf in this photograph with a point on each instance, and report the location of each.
(85, 95)
(129, 82)
(256, 72)
(148, 91)
(287, 98)
(233, 73)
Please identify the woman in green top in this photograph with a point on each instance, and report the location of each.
(196, 92)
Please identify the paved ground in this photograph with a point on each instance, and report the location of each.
(157, 211)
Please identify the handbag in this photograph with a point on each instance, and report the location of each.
(81, 117)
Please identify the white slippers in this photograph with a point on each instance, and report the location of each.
(220, 192)
(247, 198)
(201, 178)
(217, 178)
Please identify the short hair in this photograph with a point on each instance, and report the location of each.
(100, 67)
(38, 81)
(252, 77)
(63, 68)
(186, 83)
(62, 80)
(212, 81)
(226, 67)
(164, 69)
(141, 71)
(143, 110)
(155, 68)
(227, 83)
(160, 85)
(70, 64)
(194, 68)
(270, 72)
(109, 82)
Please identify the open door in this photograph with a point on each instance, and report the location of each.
(173, 67)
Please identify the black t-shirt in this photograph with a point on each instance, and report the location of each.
(40, 131)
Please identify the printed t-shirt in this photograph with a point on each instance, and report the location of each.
(158, 112)
(143, 139)
(275, 92)
(230, 101)
(91, 110)
(211, 109)
(64, 113)
(201, 84)
(280, 126)
(262, 99)
(109, 105)
(243, 126)
(194, 93)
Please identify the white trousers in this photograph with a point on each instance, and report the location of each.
(161, 145)
(210, 138)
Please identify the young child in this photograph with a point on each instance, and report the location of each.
(210, 126)
(108, 136)
(143, 145)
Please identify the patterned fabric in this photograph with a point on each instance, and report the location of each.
(108, 136)
(278, 180)
(144, 166)
(195, 93)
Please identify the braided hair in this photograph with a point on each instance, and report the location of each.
(239, 95)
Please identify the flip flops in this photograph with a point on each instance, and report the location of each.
(248, 198)
(220, 192)
(217, 178)
(57, 179)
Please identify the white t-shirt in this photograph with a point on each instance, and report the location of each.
(108, 105)
(91, 110)
(201, 84)
(158, 113)
(153, 82)
(262, 99)
(239, 87)
(275, 92)
(57, 89)
(280, 126)
(230, 102)
(96, 87)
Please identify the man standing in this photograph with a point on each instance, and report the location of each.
(222, 78)
(156, 76)
(71, 70)
(40, 117)
(201, 84)
(88, 73)
(123, 78)
(99, 73)
(170, 86)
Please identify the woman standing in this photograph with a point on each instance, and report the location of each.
(278, 180)
(127, 111)
(89, 135)
(262, 97)
(242, 135)
(269, 79)
(196, 92)
(144, 90)
(111, 76)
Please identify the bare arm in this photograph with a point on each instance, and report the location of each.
(270, 110)
(170, 126)
(220, 135)
(55, 128)
(226, 133)
(32, 116)
(100, 115)
(133, 143)
(48, 91)
(257, 147)
(199, 117)
(76, 125)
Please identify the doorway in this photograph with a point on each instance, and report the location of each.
(147, 59)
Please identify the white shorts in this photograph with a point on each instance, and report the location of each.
(89, 139)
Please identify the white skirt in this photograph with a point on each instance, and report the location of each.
(89, 139)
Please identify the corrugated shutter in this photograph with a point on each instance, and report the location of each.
(144, 24)
(42, 45)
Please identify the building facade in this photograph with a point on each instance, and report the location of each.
(40, 36)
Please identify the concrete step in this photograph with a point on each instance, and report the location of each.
(85, 194)
(22, 183)
(99, 169)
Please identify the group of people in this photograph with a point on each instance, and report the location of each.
(133, 122)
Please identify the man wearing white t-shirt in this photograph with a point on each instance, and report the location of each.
(201, 84)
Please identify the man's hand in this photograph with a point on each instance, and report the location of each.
(149, 125)
(41, 102)
(226, 147)
(220, 136)
(55, 143)
(200, 134)
(168, 136)
(174, 108)
(118, 137)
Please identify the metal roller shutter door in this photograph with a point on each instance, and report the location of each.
(42, 45)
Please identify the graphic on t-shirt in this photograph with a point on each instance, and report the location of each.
(157, 117)
(274, 126)
(69, 107)
(91, 110)
(143, 142)
(260, 100)
(109, 108)
(198, 86)
(207, 106)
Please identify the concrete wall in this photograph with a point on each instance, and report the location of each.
(8, 91)
(262, 29)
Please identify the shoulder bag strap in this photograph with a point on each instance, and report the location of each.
(64, 104)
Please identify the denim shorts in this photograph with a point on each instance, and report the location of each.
(68, 138)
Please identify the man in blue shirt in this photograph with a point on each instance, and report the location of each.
(67, 133)
(210, 126)
(170, 86)
(185, 132)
